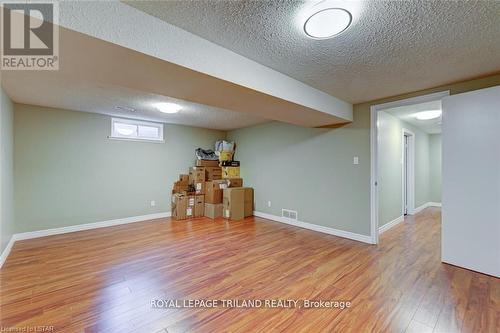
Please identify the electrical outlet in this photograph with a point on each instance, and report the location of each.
(355, 160)
(153, 203)
(269, 204)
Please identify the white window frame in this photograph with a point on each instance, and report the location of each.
(117, 136)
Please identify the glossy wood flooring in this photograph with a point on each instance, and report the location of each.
(104, 280)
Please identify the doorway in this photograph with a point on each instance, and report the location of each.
(406, 165)
(408, 172)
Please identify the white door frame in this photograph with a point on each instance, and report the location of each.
(411, 172)
(374, 151)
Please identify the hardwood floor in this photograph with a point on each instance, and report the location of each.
(103, 280)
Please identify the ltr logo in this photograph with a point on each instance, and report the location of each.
(29, 39)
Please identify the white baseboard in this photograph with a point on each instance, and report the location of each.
(424, 206)
(401, 218)
(88, 226)
(6, 251)
(391, 224)
(78, 227)
(420, 208)
(315, 227)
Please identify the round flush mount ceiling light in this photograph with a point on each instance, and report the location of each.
(168, 107)
(427, 115)
(327, 23)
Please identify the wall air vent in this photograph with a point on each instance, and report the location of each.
(289, 214)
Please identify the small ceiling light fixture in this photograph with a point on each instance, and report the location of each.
(125, 108)
(327, 23)
(428, 115)
(168, 107)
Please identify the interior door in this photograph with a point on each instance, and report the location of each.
(471, 181)
(405, 173)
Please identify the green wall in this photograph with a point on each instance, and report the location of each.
(453, 88)
(390, 166)
(6, 170)
(435, 168)
(310, 171)
(68, 172)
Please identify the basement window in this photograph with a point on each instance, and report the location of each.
(136, 130)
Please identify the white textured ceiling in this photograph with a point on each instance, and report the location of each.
(96, 76)
(104, 99)
(189, 67)
(408, 114)
(393, 47)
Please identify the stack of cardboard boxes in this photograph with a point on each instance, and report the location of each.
(212, 191)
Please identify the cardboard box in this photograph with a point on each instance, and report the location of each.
(207, 163)
(233, 203)
(213, 190)
(199, 205)
(213, 211)
(199, 187)
(180, 187)
(248, 204)
(184, 179)
(213, 173)
(226, 155)
(230, 172)
(235, 182)
(196, 175)
(182, 206)
(179, 205)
